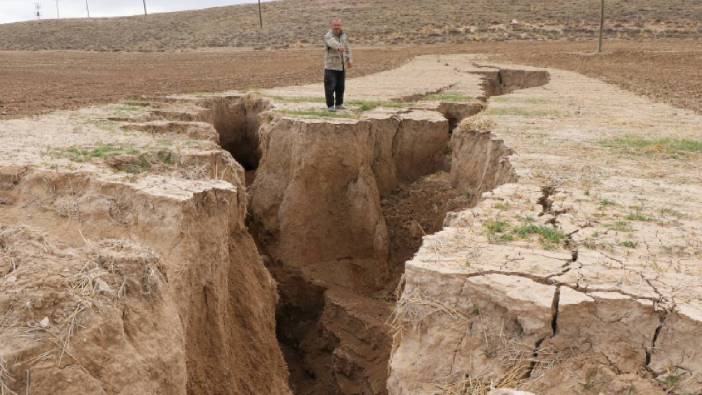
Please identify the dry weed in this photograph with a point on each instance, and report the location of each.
(406, 311)
(521, 363)
(477, 123)
(69, 330)
(518, 362)
(5, 379)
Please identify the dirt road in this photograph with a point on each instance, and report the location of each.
(38, 82)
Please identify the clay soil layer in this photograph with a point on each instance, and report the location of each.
(38, 82)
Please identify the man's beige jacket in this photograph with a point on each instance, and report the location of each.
(336, 60)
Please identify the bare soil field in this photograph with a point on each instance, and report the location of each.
(38, 82)
(482, 215)
(294, 23)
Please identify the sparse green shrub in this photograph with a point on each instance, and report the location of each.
(646, 146)
(629, 244)
(449, 97)
(78, 154)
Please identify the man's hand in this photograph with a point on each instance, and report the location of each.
(350, 65)
(341, 49)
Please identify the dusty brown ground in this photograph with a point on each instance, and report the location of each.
(36, 82)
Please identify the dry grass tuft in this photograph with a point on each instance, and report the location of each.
(407, 311)
(70, 329)
(477, 123)
(520, 363)
(5, 378)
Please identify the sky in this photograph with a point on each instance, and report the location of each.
(22, 10)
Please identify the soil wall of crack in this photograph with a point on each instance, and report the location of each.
(150, 293)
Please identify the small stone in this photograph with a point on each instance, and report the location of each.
(102, 287)
(44, 323)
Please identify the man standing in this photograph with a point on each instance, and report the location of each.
(338, 60)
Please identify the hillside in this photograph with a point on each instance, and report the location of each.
(296, 23)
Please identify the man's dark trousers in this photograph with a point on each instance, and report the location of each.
(334, 85)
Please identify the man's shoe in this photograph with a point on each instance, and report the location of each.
(341, 107)
(331, 109)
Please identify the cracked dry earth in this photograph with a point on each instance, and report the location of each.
(464, 226)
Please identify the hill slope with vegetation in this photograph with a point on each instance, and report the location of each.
(296, 23)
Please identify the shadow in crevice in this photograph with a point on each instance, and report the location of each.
(236, 120)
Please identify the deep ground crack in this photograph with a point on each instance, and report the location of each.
(662, 316)
(545, 200)
(549, 281)
(554, 311)
(554, 329)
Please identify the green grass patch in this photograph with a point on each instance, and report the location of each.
(673, 379)
(638, 216)
(125, 110)
(130, 108)
(319, 114)
(667, 146)
(522, 112)
(78, 154)
(629, 244)
(360, 105)
(146, 161)
(104, 124)
(494, 227)
(517, 99)
(548, 236)
(502, 231)
(620, 226)
(131, 159)
(368, 105)
(449, 97)
(669, 212)
(502, 206)
(607, 203)
(299, 99)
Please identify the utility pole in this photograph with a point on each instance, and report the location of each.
(37, 9)
(87, 8)
(58, 16)
(602, 18)
(145, 13)
(260, 14)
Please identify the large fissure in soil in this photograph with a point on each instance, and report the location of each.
(236, 121)
(336, 208)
